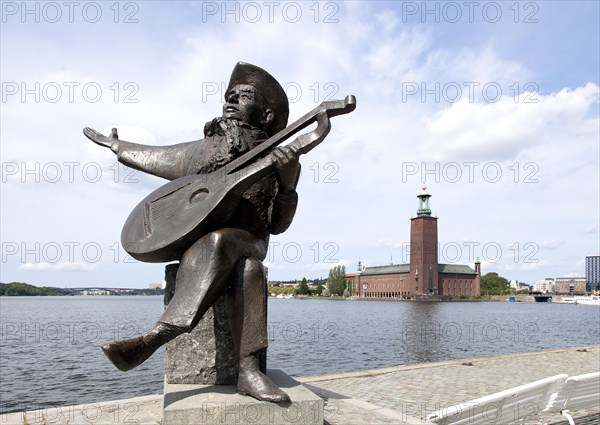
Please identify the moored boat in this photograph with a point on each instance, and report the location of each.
(587, 300)
(565, 300)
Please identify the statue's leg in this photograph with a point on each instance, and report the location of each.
(203, 274)
(248, 317)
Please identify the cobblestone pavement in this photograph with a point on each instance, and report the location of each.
(410, 393)
(399, 395)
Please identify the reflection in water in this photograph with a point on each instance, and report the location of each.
(421, 334)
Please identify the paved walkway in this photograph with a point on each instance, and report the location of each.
(410, 393)
(404, 394)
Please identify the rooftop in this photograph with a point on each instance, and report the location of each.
(405, 268)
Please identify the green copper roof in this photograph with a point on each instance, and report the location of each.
(424, 202)
(405, 268)
(391, 269)
(455, 268)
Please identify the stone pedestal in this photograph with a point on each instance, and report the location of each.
(207, 355)
(220, 404)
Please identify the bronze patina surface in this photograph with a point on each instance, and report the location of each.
(227, 193)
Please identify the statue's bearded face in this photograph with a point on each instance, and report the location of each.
(244, 103)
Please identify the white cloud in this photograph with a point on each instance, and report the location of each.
(550, 244)
(65, 266)
(75, 266)
(591, 229)
(36, 267)
(477, 130)
(325, 267)
(385, 243)
(390, 243)
(273, 266)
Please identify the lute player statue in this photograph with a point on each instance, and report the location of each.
(229, 256)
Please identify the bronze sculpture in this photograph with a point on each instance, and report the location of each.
(228, 193)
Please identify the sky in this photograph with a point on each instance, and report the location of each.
(493, 105)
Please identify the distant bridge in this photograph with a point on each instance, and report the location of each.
(539, 298)
(96, 290)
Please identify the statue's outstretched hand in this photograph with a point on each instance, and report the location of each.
(100, 139)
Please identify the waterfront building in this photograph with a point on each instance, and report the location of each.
(519, 286)
(570, 285)
(545, 286)
(423, 275)
(592, 272)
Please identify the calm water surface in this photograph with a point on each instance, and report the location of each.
(50, 355)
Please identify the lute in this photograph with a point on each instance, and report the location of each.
(170, 219)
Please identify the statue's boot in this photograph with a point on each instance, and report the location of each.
(248, 319)
(252, 382)
(130, 353)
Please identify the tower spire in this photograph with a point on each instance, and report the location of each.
(359, 268)
(424, 268)
(424, 201)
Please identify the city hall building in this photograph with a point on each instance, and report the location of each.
(423, 275)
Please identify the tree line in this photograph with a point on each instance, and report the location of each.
(23, 289)
(494, 284)
(20, 289)
(335, 285)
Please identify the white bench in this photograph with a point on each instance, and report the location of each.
(526, 403)
(578, 392)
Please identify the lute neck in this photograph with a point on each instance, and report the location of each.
(331, 108)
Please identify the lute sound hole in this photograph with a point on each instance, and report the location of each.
(199, 195)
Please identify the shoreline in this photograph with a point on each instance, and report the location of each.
(486, 298)
(422, 298)
(400, 394)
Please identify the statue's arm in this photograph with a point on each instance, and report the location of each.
(285, 202)
(169, 162)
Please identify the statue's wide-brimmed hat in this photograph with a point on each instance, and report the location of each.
(269, 88)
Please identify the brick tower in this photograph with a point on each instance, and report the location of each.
(423, 248)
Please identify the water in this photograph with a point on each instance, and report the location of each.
(49, 354)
